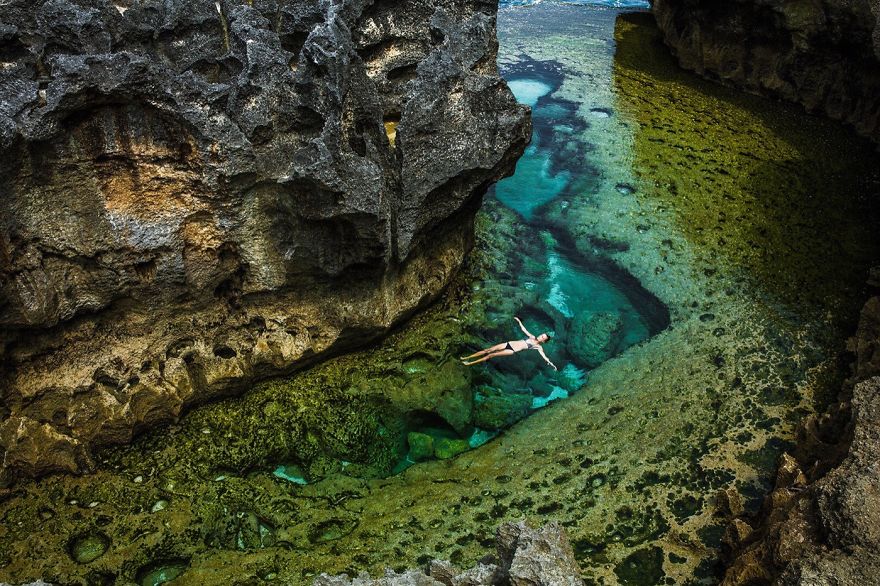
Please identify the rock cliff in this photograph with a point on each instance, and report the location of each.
(823, 54)
(198, 195)
(820, 523)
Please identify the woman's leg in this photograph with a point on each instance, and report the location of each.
(490, 356)
(495, 348)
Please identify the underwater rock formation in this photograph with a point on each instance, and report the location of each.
(820, 523)
(524, 557)
(595, 337)
(824, 55)
(201, 195)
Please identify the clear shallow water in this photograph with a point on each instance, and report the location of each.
(529, 91)
(637, 153)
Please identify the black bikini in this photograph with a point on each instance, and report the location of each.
(529, 346)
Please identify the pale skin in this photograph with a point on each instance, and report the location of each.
(510, 348)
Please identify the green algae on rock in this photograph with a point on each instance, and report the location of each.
(87, 548)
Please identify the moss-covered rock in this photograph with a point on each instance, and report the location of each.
(421, 446)
(595, 337)
(446, 448)
(444, 390)
(494, 409)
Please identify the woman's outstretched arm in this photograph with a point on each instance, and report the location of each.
(544, 356)
(523, 328)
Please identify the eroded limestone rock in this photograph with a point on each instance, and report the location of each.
(201, 195)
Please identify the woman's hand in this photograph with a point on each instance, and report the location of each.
(523, 328)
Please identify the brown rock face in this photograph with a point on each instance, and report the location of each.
(196, 196)
(824, 54)
(821, 524)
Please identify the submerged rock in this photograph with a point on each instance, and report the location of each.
(595, 337)
(446, 448)
(494, 409)
(200, 195)
(421, 446)
(87, 548)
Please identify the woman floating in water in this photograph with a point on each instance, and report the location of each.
(511, 347)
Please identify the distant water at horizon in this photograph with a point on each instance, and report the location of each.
(610, 3)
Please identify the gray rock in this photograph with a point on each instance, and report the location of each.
(542, 557)
(198, 196)
(849, 496)
(442, 571)
(482, 574)
(528, 557)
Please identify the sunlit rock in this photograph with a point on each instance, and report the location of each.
(199, 196)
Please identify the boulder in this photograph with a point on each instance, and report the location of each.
(446, 448)
(594, 337)
(494, 409)
(537, 557)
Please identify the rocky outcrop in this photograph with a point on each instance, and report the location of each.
(198, 195)
(823, 54)
(821, 523)
(524, 557)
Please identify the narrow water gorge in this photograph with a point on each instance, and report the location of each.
(673, 237)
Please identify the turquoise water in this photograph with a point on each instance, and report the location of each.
(529, 91)
(591, 309)
(591, 312)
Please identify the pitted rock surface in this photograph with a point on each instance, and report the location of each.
(200, 195)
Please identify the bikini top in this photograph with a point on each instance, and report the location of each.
(531, 345)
